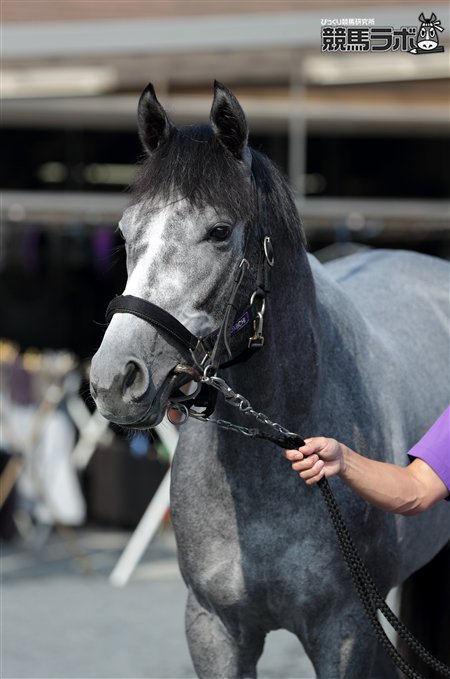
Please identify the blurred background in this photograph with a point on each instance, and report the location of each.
(364, 140)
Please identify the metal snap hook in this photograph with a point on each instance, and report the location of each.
(258, 294)
(257, 339)
(259, 323)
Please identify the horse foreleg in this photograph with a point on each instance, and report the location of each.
(343, 646)
(215, 651)
(383, 666)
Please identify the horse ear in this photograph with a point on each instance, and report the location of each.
(422, 17)
(154, 125)
(433, 17)
(228, 121)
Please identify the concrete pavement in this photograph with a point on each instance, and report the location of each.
(61, 619)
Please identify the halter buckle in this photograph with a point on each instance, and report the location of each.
(205, 355)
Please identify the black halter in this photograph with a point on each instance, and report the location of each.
(225, 346)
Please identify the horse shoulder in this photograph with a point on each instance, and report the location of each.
(387, 327)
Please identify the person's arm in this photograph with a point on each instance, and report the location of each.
(403, 490)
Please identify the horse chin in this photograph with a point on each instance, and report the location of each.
(143, 414)
(157, 409)
(149, 421)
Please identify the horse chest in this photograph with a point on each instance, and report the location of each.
(241, 546)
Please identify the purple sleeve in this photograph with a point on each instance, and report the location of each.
(434, 448)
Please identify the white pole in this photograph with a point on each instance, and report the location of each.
(151, 519)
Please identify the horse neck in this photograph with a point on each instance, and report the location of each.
(290, 353)
(309, 324)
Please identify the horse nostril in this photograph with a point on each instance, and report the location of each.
(135, 380)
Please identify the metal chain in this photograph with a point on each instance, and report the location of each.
(244, 405)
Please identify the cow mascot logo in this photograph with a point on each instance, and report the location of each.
(428, 36)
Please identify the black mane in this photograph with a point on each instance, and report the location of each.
(276, 209)
(193, 164)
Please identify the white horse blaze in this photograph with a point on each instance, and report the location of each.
(169, 289)
(151, 276)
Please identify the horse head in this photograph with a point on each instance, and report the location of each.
(185, 235)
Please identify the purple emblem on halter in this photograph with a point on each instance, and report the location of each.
(244, 320)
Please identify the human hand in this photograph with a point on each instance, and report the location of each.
(319, 457)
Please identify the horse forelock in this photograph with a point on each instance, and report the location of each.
(192, 165)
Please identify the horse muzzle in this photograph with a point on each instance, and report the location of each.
(128, 404)
(133, 374)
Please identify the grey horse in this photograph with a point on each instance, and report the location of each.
(357, 350)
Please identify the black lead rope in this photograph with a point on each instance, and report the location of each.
(372, 599)
(365, 585)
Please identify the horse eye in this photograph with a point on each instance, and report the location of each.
(219, 232)
(422, 33)
(431, 32)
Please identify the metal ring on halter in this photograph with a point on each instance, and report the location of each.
(209, 371)
(268, 251)
(181, 410)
